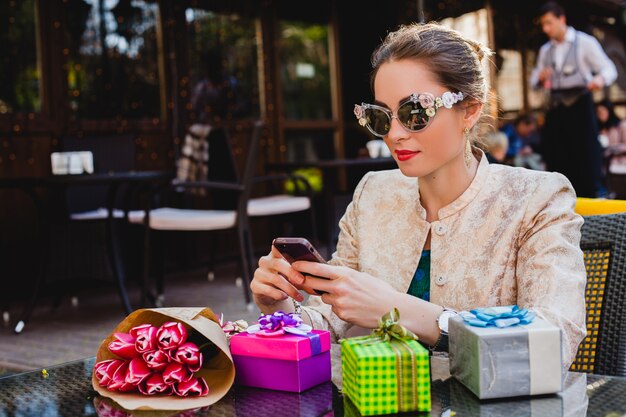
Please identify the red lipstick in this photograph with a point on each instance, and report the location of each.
(405, 155)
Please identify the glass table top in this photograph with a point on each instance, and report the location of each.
(67, 391)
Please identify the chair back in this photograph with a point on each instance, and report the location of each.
(222, 167)
(603, 241)
(110, 154)
(250, 165)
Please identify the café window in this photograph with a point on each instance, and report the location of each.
(20, 76)
(112, 58)
(223, 66)
(510, 81)
(305, 71)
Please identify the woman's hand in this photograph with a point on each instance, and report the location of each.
(275, 281)
(355, 297)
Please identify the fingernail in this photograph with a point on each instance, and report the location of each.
(301, 279)
(300, 297)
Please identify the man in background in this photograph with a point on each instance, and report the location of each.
(570, 66)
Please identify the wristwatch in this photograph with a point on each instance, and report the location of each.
(442, 323)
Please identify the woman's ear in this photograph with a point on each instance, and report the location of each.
(472, 113)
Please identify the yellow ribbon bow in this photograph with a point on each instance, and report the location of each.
(389, 328)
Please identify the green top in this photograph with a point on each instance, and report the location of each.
(420, 285)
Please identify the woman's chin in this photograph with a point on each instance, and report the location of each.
(411, 171)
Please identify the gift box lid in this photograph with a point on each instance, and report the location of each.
(287, 347)
(538, 325)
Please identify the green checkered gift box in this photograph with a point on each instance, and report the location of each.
(387, 371)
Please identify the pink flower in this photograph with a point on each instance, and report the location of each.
(156, 360)
(104, 370)
(189, 354)
(137, 371)
(124, 346)
(118, 381)
(155, 385)
(193, 387)
(171, 335)
(146, 337)
(104, 409)
(358, 111)
(176, 372)
(426, 100)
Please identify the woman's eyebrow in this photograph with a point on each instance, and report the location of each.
(380, 103)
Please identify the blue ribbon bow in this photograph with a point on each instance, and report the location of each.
(503, 316)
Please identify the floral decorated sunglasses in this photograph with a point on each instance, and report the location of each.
(414, 114)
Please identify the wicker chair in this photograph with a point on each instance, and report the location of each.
(603, 351)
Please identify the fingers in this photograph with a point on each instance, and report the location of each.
(273, 285)
(318, 269)
(274, 262)
(320, 284)
(275, 280)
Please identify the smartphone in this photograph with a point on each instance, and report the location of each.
(298, 249)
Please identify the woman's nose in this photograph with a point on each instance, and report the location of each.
(396, 131)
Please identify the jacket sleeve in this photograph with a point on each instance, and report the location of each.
(321, 314)
(551, 274)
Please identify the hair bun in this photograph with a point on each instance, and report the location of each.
(479, 49)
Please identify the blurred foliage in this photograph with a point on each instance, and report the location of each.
(312, 175)
(112, 67)
(305, 96)
(19, 72)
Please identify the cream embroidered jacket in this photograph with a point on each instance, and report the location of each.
(511, 238)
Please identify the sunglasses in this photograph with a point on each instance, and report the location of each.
(414, 114)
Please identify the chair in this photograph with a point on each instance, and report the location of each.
(236, 217)
(594, 206)
(86, 215)
(603, 351)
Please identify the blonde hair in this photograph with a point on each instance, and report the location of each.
(453, 59)
(494, 141)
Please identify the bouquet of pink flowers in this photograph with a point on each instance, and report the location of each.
(165, 359)
(153, 361)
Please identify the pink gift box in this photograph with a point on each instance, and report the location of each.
(285, 363)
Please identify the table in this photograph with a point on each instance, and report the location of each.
(113, 180)
(331, 189)
(67, 391)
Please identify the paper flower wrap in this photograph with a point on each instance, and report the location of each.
(167, 328)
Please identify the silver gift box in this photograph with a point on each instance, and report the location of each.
(506, 362)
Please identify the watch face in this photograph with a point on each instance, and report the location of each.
(444, 318)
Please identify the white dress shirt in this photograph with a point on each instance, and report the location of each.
(591, 58)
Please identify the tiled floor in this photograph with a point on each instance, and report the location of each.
(69, 333)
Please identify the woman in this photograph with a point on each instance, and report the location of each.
(612, 136)
(447, 231)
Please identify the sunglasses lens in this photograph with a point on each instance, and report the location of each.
(378, 121)
(413, 116)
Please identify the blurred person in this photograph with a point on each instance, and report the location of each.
(496, 146)
(524, 143)
(570, 66)
(215, 98)
(612, 136)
